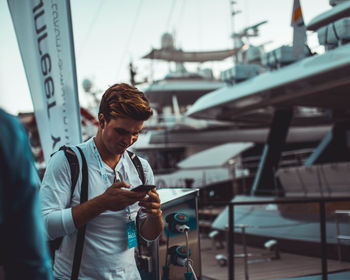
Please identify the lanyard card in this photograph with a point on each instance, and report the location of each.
(131, 234)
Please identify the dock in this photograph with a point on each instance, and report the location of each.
(260, 267)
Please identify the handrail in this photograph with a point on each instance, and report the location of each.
(282, 200)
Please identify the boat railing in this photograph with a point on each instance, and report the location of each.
(294, 158)
(288, 158)
(327, 179)
(322, 215)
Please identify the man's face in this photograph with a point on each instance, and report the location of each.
(119, 134)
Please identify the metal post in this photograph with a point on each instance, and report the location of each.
(230, 242)
(245, 253)
(264, 181)
(323, 240)
(337, 231)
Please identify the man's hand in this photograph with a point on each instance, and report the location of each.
(153, 225)
(151, 204)
(115, 198)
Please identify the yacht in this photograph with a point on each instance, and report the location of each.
(172, 135)
(309, 91)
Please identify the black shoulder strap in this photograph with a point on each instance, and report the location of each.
(74, 171)
(136, 161)
(79, 246)
(73, 164)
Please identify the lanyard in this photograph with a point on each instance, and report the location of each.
(104, 174)
(100, 163)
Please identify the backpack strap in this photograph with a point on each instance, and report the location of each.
(79, 246)
(74, 166)
(137, 163)
(74, 171)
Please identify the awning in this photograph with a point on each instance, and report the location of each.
(181, 56)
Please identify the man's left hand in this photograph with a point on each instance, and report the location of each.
(151, 204)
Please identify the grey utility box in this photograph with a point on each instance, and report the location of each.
(152, 260)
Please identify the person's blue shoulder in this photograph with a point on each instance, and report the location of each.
(10, 127)
(14, 148)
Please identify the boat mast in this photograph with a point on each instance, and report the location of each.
(234, 35)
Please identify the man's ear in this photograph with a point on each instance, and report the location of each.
(101, 120)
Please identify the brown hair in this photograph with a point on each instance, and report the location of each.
(125, 101)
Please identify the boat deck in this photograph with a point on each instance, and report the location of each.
(289, 266)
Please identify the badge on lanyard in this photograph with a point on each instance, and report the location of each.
(131, 230)
(131, 234)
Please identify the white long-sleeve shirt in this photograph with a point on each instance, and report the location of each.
(106, 254)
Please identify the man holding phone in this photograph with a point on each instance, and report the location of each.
(112, 209)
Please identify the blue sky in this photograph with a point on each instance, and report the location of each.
(110, 33)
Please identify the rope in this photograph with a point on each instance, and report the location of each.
(91, 26)
(171, 11)
(189, 264)
(187, 249)
(129, 38)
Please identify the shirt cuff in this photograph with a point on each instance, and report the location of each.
(67, 221)
(141, 217)
(60, 223)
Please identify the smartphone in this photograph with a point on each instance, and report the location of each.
(143, 188)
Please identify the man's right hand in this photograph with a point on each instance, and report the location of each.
(115, 198)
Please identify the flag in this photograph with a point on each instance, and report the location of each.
(45, 39)
(299, 32)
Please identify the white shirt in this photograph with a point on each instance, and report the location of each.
(106, 254)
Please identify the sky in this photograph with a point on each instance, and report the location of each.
(108, 34)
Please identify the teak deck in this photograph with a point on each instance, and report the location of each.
(288, 266)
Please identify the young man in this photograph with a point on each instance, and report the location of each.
(111, 206)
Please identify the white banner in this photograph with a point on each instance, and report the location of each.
(44, 34)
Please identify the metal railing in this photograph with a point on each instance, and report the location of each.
(322, 213)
